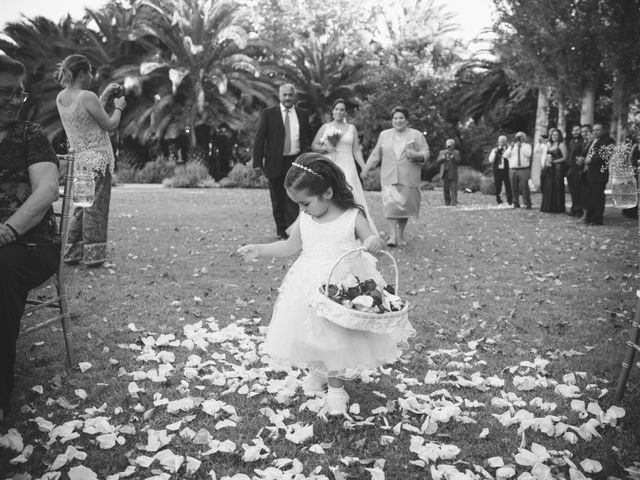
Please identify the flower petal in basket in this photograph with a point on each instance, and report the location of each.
(352, 319)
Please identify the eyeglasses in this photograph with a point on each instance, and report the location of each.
(11, 93)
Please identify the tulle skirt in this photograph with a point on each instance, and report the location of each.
(298, 337)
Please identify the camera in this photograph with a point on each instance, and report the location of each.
(119, 91)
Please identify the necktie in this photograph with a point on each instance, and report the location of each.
(287, 133)
(519, 155)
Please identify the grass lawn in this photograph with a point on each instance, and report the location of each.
(521, 321)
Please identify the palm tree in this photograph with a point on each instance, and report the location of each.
(204, 71)
(40, 44)
(321, 72)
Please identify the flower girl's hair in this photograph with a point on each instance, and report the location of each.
(315, 173)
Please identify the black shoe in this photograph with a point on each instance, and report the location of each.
(499, 201)
(528, 207)
(515, 205)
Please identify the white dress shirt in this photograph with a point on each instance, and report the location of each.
(525, 155)
(294, 124)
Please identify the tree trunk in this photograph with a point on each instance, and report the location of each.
(588, 106)
(542, 114)
(562, 116)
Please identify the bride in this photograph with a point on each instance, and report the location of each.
(339, 141)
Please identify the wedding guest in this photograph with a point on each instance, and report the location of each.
(634, 160)
(500, 166)
(552, 178)
(87, 125)
(574, 170)
(29, 245)
(283, 134)
(537, 160)
(597, 175)
(519, 156)
(339, 141)
(401, 151)
(449, 159)
(587, 140)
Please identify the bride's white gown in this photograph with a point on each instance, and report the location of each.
(343, 157)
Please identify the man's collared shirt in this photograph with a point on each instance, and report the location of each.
(525, 155)
(295, 128)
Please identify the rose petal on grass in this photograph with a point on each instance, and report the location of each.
(13, 440)
(591, 466)
(82, 473)
(495, 462)
(505, 472)
(316, 449)
(84, 366)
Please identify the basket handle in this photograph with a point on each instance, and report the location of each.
(393, 260)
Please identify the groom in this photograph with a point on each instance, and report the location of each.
(283, 134)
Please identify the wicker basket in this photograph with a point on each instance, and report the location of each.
(355, 319)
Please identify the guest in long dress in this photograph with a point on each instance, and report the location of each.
(401, 151)
(87, 125)
(552, 177)
(344, 151)
(29, 245)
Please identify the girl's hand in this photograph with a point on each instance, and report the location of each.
(373, 244)
(249, 252)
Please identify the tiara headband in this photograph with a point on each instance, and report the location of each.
(306, 169)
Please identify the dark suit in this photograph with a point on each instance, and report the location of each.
(597, 175)
(500, 175)
(268, 155)
(574, 171)
(449, 160)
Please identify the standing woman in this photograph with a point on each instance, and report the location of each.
(344, 151)
(87, 125)
(402, 151)
(552, 176)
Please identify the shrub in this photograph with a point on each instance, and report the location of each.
(155, 171)
(244, 176)
(487, 186)
(372, 181)
(124, 174)
(190, 175)
(469, 178)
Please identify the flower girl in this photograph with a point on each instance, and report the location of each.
(330, 224)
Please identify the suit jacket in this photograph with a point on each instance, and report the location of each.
(575, 148)
(394, 170)
(595, 168)
(269, 142)
(449, 161)
(495, 161)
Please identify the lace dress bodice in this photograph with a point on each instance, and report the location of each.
(87, 139)
(345, 144)
(327, 241)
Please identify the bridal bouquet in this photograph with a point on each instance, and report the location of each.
(332, 136)
(365, 296)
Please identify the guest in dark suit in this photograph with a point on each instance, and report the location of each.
(587, 139)
(283, 134)
(575, 148)
(500, 167)
(449, 159)
(597, 175)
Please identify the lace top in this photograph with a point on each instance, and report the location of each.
(24, 145)
(327, 241)
(88, 140)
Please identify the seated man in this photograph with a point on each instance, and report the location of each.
(29, 247)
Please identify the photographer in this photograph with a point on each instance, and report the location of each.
(449, 159)
(519, 156)
(87, 125)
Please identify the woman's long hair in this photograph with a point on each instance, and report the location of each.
(318, 175)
